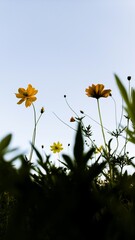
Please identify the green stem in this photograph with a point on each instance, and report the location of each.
(100, 118)
(126, 140)
(107, 156)
(34, 132)
(115, 111)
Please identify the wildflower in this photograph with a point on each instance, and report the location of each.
(56, 147)
(99, 150)
(72, 119)
(97, 91)
(27, 95)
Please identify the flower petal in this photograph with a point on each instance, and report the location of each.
(31, 90)
(97, 91)
(21, 90)
(28, 102)
(99, 88)
(33, 99)
(18, 95)
(89, 91)
(106, 93)
(21, 101)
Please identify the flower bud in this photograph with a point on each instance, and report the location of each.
(42, 110)
(72, 119)
(128, 78)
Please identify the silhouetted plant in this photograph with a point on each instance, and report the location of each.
(87, 196)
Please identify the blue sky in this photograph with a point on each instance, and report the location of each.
(62, 47)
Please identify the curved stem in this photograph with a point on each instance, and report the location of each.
(71, 108)
(95, 121)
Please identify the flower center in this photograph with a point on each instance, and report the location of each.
(25, 94)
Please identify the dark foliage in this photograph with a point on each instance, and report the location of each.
(45, 202)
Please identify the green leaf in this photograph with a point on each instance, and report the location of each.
(37, 152)
(78, 147)
(122, 89)
(88, 155)
(68, 161)
(96, 169)
(5, 142)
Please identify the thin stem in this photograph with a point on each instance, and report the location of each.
(38, 119)
(126, 140)
(34, 132)
(73, 128)
(117, 145)
(121, 115)
(95, 121)
(100, 118)
(64, 122)
(115, 111)
(71, 108)
(107, 154)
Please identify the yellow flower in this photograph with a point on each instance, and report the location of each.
(99, 150)
(56, 147)
(27, 95)
(97, 91)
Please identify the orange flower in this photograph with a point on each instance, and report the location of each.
(27, 95)
(97, 91)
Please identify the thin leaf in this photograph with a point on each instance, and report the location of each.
(78, 147)
(122, 89)
(37, 152)
(96, 169)
(68, 161)
(88, 155)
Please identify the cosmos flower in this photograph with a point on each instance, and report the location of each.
(97, 91)
(27, 95)
(56, 147)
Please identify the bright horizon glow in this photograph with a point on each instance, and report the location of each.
(62, 47)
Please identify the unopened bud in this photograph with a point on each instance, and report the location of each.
(129, 78)
(72, 119)
(42, 110)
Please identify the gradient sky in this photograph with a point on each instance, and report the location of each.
(62, 47)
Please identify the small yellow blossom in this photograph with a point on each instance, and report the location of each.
(56, 147)
(99, 150)
(97, 91)
(27, 95)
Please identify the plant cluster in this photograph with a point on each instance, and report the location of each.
(89, 195)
